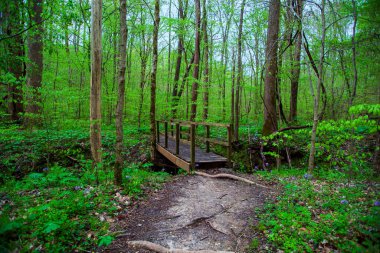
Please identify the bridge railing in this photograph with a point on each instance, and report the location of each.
(177, 133)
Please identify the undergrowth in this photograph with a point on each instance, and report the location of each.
(49, 199)
(327, 213)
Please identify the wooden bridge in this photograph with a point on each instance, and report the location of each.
(177, 142)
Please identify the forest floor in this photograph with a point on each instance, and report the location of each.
(195, 213)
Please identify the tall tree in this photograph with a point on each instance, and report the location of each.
(270, 114)
(316, 96)
(194, 88)
(96, 75)
(144, 55)
(153, 81)
(228, 13)
(205, 62)
(15, 49)
(180, 49)
(35, 65)
(121, 92)
(353, 44)
(239, 74)
(297, 6)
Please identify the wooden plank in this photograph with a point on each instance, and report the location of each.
(177, 138)
(158, 131)
(192, 146)
(222, 143)
(166, 134)
(173, 158)
(185, 151)
(207, 137)
(189, 123)
(229, 148)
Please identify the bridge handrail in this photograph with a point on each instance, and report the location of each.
(192, 125)
(188, 123)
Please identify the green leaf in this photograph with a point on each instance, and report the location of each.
(105, 240)
(51, 226)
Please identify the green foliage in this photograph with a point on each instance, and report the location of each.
(339, 144)
(55, 206)
(365, 109)
(136, 178)
(313, 215)
(59, 211)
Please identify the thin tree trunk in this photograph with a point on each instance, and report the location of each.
(224, 59)
(233, 92)
(270, 115)
(175, 97)
(35, 66)
(169, 55)
(121, 93)
(194, 88)
(295, 71)
(316, 99)
(67, 48)
(240, 74)
(153, 81)
(355, 81)
(205, 62)
(96, 75)
(142, 87)
(16, 63)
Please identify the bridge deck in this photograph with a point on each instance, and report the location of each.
(202, 158)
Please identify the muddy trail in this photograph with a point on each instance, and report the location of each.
(195, 213)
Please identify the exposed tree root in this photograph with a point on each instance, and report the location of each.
(224, 175)
(160, 249)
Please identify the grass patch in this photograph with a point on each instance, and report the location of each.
(327, 213)
(49, 201)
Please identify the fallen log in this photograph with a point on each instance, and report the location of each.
(160, 249)
(224, 175)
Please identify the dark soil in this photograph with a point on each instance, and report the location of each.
(194, 213)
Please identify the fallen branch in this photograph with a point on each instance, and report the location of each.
(293, 128)
(224, 175)
(73, 159)
(160, 249)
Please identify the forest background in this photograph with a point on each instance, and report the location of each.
(299, 78)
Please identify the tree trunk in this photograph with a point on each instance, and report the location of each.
(295, 64)
(206, 63)
(35, 66)
(121, 93)
(153, 81)
(15, 63)
(194, 88)
(175, 97)
(316, 98)
(224, 57)
(96, 75)
(233, 92)
(240, 74)
(169, 54)
(355, 81)
(270, 115)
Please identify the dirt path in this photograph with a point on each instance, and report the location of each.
(195, 213)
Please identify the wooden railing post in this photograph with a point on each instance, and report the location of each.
(192, 146)
(229, 148)
(166, 134)
(177, 138)
(158, 131)
(171, 128)
(207, 136)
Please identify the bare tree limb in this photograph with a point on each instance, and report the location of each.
(160, 249)
(224, 175)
